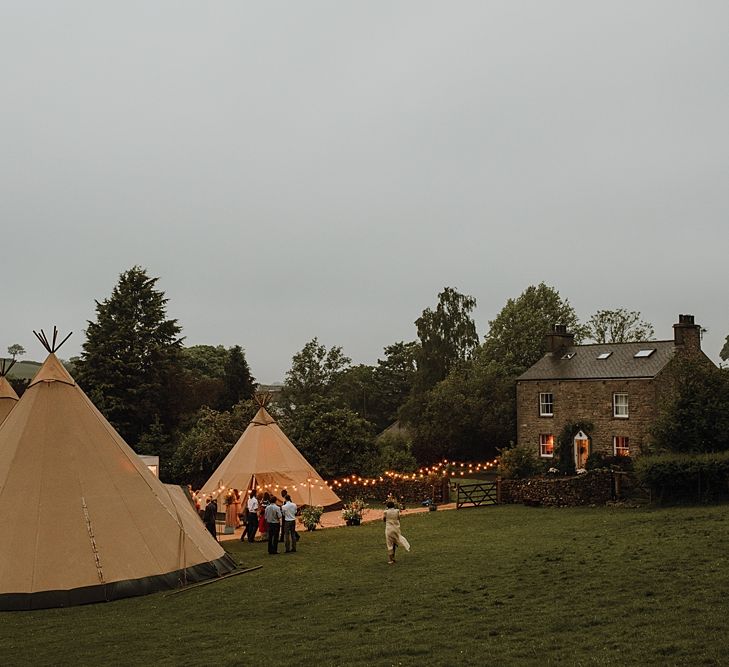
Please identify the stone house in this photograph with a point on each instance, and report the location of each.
(614, 386)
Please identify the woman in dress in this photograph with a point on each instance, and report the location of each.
(262, 525)
(231, 511)
(393, 536)
(238, 503)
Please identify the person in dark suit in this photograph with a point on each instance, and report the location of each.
(209, 516)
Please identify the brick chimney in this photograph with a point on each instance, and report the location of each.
(686, 334)
(559, 339)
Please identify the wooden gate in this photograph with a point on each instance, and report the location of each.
(483, 493)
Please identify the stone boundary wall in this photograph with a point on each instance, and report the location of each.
(592, 488)
(407, 490)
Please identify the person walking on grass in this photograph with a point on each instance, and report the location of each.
(393, 536)
(273, 519)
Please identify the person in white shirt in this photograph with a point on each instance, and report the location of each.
(252, 518)
(273, 519)
(289, 518)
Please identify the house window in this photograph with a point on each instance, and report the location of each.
(620, 405)
(621, 445)
(546, 405)
(546, 445)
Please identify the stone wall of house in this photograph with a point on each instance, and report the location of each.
(587, 400)
(593, 488)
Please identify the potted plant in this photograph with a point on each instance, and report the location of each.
(229, 501)
(353, 512)
(311, 516)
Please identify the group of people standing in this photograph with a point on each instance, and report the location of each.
(277, 521)
(265, 515)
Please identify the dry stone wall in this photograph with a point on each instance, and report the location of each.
(593, 488)
(407, 490)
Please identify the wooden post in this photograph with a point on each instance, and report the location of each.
(498, 490)
(445, 490)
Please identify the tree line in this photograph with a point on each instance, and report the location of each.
(451, 392)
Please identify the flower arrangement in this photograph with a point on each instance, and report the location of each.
(229, 498)
(353, 512)
(311, 516)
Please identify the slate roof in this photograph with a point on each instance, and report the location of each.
(584, 364)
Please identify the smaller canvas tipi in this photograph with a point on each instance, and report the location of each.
(265, 458)
(101, 526)
(8, 397)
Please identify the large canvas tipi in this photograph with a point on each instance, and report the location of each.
(8, 397)
(265, 458)
(100, 526)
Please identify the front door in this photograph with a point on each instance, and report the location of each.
(582, 450)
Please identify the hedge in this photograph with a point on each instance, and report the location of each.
(675, 477)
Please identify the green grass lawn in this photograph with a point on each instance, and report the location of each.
(505, 585)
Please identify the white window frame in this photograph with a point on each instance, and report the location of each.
(625, 449)
(622, 410)
(544, 440)
(542, 404)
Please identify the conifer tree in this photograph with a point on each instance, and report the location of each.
(130, 357)
(238, 383)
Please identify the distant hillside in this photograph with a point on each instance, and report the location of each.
(25, 370)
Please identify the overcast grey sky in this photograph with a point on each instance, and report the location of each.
(309, 168)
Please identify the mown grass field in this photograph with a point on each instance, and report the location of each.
(505, 585)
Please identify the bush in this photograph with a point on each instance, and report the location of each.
(518, 463)
(311, 516)
(600, 460)
(673, 477)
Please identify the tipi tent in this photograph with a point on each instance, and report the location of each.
(8, 397)
(102, 526)
(266, 458)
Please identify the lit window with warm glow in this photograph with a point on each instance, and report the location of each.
(621, 445)
(546, 445)
(546, 404)
(620, 405)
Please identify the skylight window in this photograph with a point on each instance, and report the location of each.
(569, 355)
(641, 354)
(604, 355)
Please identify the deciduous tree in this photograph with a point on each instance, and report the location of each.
(694, 413)
(16, 350)
(516, 336)
(447, 335)
(394, 378)
(619, 326)
(469, 416)
(313, 372)
(335, 440)
(207, 443)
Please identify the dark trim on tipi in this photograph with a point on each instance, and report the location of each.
(117, 589)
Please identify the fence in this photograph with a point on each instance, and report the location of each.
(483, 493)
